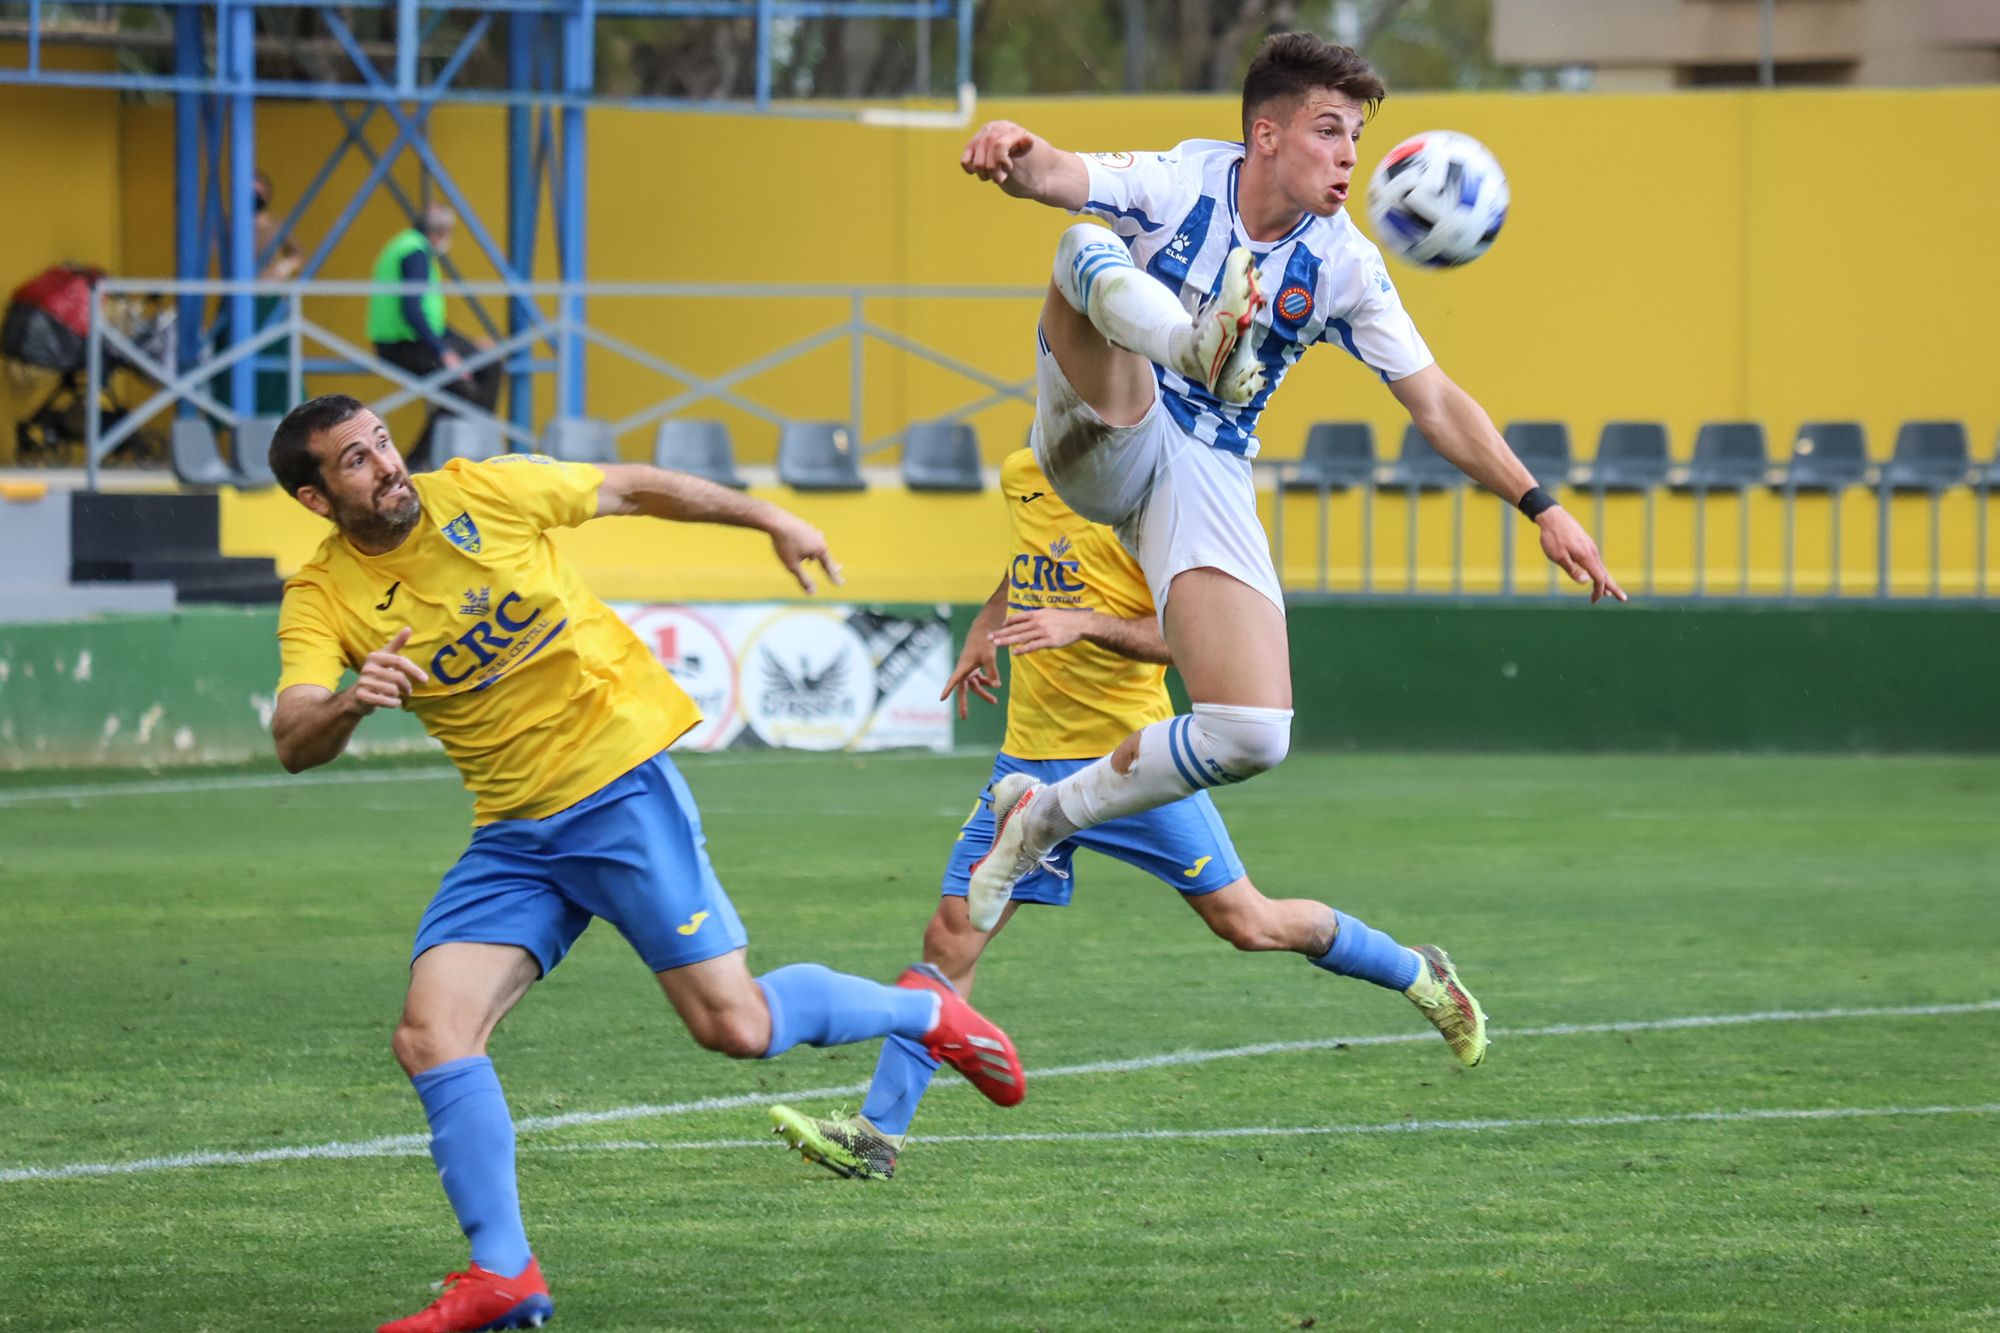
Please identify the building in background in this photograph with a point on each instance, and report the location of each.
(1639, 45)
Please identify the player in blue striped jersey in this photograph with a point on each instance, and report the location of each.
(1161, 340)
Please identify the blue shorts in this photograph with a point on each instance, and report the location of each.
(1183, 844)
(632, 853)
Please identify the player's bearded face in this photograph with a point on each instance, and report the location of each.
(367, 489)
(390, 509)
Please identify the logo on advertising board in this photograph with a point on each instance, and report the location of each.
(697, 655)
(808, 682)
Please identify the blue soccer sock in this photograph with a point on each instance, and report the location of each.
(902, 1075)
(821, 1007)
(472, 1142)
(1360, 950)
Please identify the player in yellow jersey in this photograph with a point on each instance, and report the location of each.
(1089, 668)
(446, 595)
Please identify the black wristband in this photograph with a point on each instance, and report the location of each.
(1536, 502)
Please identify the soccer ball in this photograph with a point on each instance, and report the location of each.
(1437, 200)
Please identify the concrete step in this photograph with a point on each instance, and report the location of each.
(176, 566)
(24, 604)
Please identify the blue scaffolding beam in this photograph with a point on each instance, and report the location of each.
(409, 66)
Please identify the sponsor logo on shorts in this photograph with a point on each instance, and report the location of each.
(1194, 871)
(693, 924)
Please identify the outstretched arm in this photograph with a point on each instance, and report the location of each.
(978, 669)
(1026, 165)
(1459, 428)
(1031, 631)
(635, 488)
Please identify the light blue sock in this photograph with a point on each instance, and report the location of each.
(472, 1142)
(821, 1007)
(1360, 950)
(902, 1075)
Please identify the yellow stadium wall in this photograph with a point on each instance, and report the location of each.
(1681, 257)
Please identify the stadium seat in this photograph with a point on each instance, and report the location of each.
(1544, 447)
(197, 458)
(941, 456)
(1338, 455)
(817, 456)
(1631, 456)
(1988, 477)
(579, 440)
(1826, 456)
(701, 448)
(1422, 467)
(253, 452)
(1728, 456)
(1930, 456)
(462, 437)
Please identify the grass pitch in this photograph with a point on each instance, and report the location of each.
(216, 971)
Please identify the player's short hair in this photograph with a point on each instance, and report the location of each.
(292, 461)
(1290, 65)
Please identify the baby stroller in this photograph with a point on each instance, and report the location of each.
(44, 340)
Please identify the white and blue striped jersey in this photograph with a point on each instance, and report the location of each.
(1323, 281)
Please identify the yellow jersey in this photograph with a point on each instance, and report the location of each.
(538, 691)
(1077, 702)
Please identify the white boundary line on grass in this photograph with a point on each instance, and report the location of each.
(1305, 1131)
(408, 1145)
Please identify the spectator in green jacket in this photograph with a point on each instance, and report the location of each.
(408, 328)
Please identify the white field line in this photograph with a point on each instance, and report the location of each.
(411, 1145)
(1305, 1131)
(83, 791)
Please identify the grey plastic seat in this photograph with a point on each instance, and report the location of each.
(463, 437)
(701, 448)
(1543, 446)
(1338, 455)
(1826, 456)
(818, 456)
(253, 452)
(1988, 477)
(579, 440)
(1728, 456)
(197, 458)
(1631, 456)
(1420, 466)
(942, 456)
(1930, 456)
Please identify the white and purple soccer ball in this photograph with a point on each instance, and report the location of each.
(1437, 200)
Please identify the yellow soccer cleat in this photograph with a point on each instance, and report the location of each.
(1449, 1006)
(851, 1147)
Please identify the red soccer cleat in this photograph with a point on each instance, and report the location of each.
(966, 1041)
(476, 1300)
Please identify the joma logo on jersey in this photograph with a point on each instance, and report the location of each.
(1041, 573)
(483, 644)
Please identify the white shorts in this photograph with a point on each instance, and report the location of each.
(1176, 503)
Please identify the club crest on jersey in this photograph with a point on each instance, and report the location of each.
(1060, 547)
(463, 533)
(478, 601)
(1294, 304)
